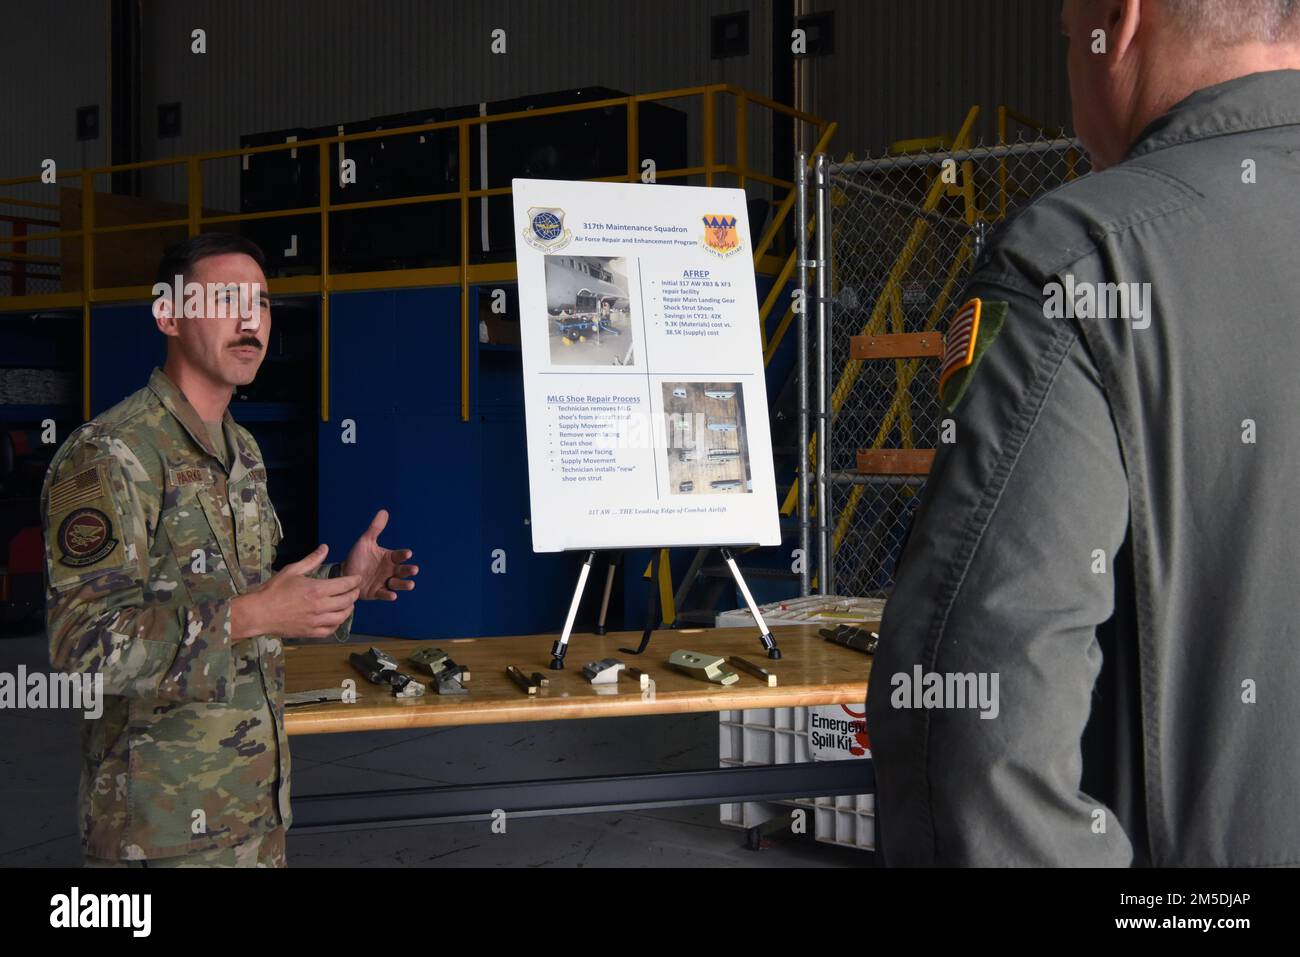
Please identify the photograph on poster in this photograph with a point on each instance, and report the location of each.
(588, 310)
(708, 451)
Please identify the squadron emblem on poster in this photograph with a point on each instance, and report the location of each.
(545, 230)
(721, 236)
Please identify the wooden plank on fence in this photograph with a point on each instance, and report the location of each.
(903, 345)
(895, 461)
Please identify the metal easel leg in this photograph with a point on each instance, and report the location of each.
(609, 587)
(561, 646)
(765, 636)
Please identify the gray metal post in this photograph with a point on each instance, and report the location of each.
(828, 373)
(823, 347)
(801, 224)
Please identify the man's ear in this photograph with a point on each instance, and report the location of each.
(164, 312)
(1123, 19)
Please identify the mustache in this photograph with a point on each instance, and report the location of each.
(247, 341)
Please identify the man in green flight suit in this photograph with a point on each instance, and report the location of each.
(1111, 536)
(159, 542)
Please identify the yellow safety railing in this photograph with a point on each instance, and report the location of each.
(464, 274)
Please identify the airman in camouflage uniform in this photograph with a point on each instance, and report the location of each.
(153, 536)
(148, 538)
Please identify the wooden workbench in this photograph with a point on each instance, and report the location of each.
(811, 671)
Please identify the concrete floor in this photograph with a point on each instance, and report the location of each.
(40, 762)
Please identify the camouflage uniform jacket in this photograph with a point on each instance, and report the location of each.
(148, 539)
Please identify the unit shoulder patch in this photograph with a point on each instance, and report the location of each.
(85, 537)
(970, 333)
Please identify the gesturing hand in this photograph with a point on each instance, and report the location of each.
(291, 604)
(380, 570)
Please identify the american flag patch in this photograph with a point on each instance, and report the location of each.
(959, 343)
(75, 491)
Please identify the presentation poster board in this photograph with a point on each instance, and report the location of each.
(644, 387)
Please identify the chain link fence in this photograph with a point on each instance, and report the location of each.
(905, 233)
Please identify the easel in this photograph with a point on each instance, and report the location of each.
(561, 646)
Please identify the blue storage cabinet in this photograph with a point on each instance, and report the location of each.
(456, 490)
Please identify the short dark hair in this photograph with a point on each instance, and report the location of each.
(180, 258)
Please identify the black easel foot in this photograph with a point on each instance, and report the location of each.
(769, 643)
(557, 655)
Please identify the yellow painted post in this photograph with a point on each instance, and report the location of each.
(87, 281)
(194, 176)
(633, 140)
(463, 151)
(666, 599)
(325, 182)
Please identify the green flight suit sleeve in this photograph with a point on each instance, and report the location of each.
(102, 616)
(1006, 575)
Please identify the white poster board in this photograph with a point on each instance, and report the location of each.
(644, 388)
